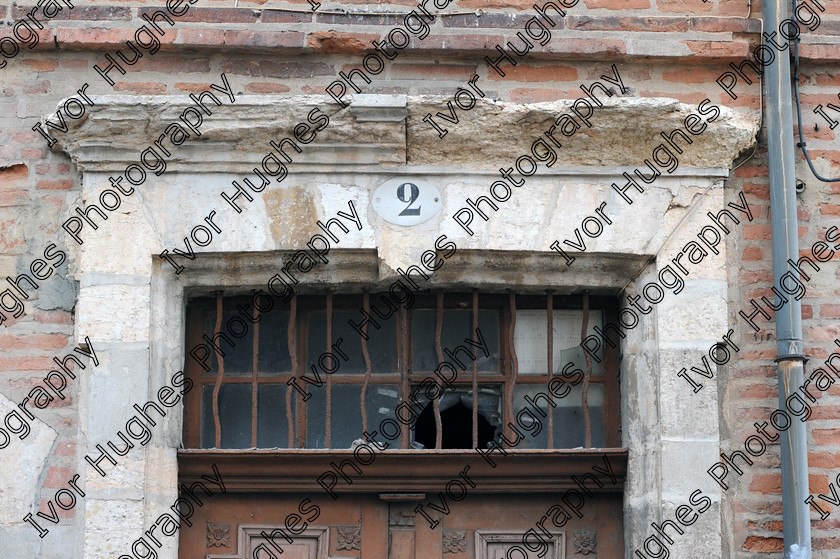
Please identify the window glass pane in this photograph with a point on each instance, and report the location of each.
(238, 352)
(529, 339)
(382, 400)
(346, 415)
(569, 429)
(316, 417)
(272, 426)
(346, 419)
(457, 327)
(381, 345)
(234, 416)
(274, 355)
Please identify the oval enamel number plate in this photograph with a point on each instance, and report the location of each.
(407, 201)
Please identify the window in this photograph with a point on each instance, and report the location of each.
(302, 375)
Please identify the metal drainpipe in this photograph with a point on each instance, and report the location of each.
(793, 443)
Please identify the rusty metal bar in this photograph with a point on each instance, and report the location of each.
(436, 401)
(255, 378)
(293, 355)
(475, 374)
(514, 364)
(363, 407)
(585, 392)
(328, 421)
(216, 420)
(549, 321)
(403, 342)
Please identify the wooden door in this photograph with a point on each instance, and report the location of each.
(389, 526)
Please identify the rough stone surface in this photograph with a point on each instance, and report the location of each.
(18, 492)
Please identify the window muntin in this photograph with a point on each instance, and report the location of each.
(400, 358)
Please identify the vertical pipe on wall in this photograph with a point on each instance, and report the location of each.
(780, 154)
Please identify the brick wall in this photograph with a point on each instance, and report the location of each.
(665, 48)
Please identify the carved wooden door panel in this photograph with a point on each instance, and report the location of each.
(500, 526)
(403, 526)
(272, 526)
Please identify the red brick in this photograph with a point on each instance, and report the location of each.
(14, 175)
(617, 4)
(26, 137)
(280, 16)
(828, 310)
(193, 87)
(766, 483)
(738, 8)
(752, 171)
(41, 86)
(827, 437)
(758, 391)
(26, 363)
(43, 342)
(825, 460)
(33, 153)
(141, 88)
(817, 483)
(58, 477)
(41, 65)
(45, 39)
(752, 254)
(484, 20)
(264, 87)
(92, 38)
(172, 65)
(530, 73)
(53, 317)
(61, 184)
(755, 190)
(12, 196)
(828, 79)
(592, 47)
(760, 355)
(85, 13)
(807, 312)
(757, 232)
(65, 449)
(201, 37)
(818, 53)
(624, 24)
(829, 209)
(434, 71)
(212, 15)
(60, 512)
(331, 42)
(684, 6)
(825, 333)
(726, 50)
(758, 544)
(498, 4)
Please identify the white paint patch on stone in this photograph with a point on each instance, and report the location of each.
(113, 313)
(335, 198)
(22, 463)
